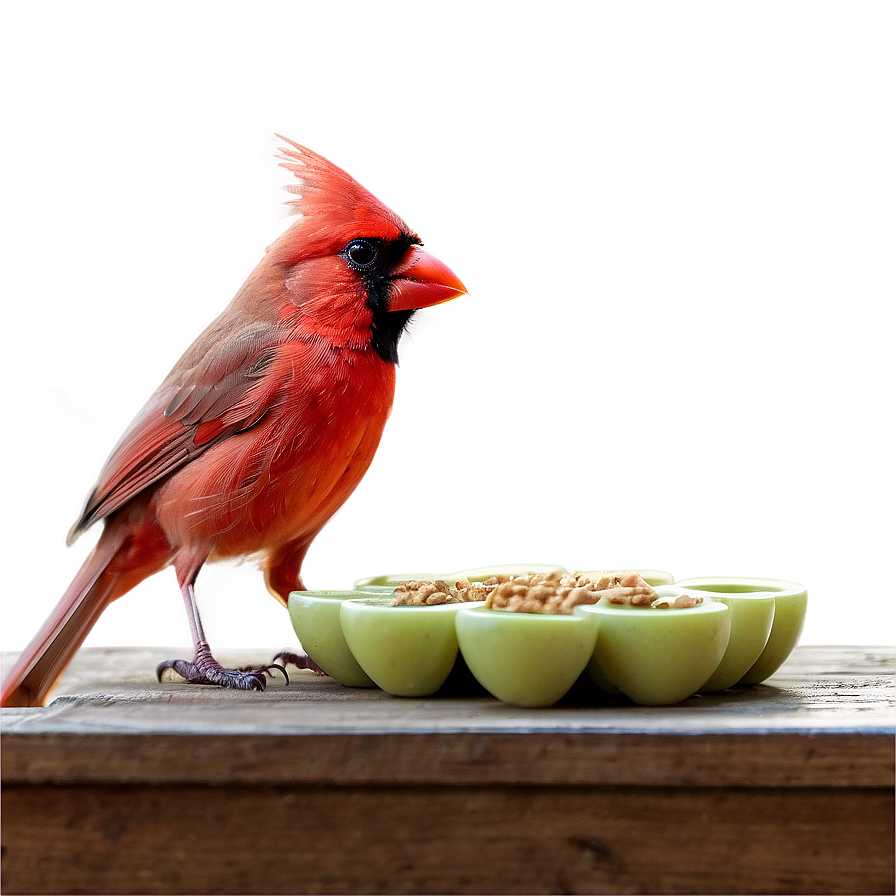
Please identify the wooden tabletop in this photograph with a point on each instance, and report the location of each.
(785, 786)
(825, 718)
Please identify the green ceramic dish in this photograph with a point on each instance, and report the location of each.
(407, 651)
(525, 659)
(315, 618)
(790, 600)
(751, 622)
(657, 657)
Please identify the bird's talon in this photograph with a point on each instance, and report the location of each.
(299, 660)
(281, 668)
(182, 668)
(265, 671)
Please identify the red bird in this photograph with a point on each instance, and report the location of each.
(262, 429)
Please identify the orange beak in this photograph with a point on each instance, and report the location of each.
(422, 280)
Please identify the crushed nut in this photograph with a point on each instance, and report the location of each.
(551, 593)
(678, 603)
(429, 594)
(626, 589)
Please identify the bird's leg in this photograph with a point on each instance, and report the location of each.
(283, 569)
(205, 669)
(283, 575)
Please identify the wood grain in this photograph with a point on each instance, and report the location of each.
(825, 719)
(672, 760)
(446, 840)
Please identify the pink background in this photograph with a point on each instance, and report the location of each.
(675, 222)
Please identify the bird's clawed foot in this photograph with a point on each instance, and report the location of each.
(299, 660)
(205, 669)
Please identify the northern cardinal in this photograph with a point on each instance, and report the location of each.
(262, 429)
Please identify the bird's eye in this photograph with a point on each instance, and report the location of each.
(360, 253)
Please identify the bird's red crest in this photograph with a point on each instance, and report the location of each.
(332, 204)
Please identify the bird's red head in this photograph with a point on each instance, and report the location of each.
(355, 271)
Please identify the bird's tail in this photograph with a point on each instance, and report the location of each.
(94, 587)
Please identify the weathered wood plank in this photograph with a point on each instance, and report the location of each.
(825, 720)
(447, 840)
(126, 785)
(401, 759)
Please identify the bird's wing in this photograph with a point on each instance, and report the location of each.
(222, 385)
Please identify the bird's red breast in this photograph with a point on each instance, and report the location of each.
(284, 477)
